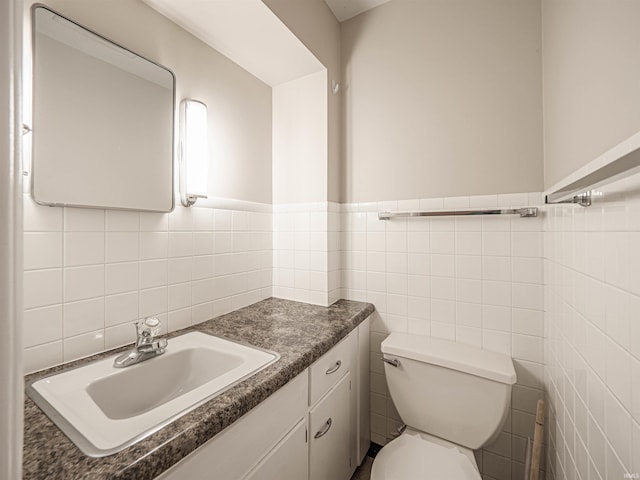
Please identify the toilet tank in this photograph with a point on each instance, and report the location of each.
(454, 391)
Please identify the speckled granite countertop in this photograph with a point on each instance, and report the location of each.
(299, 332)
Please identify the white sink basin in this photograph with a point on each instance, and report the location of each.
(105, 409)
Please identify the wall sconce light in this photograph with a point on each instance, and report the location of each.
(193, 152)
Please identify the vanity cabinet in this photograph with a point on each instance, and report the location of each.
(310, 429)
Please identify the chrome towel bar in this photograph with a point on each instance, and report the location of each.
(523, 212)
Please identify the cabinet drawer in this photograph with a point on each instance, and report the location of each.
(330, 434)
(329, 368)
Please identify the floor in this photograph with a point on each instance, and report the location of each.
(363, 472)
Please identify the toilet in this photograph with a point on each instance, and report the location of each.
(454, 399)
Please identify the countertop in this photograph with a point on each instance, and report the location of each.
(299, 332)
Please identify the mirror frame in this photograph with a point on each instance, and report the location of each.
(31, 172)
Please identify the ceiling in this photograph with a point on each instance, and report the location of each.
(345, 9)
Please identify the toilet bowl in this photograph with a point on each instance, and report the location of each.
(453, 398)
(417, 455)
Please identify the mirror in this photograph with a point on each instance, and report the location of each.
(103, 121)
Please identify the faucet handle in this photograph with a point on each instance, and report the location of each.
(148, 328)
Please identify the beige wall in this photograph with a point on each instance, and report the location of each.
(591, 79)
(442, 98)
(314, 24)
(239, 104)
(300, 140)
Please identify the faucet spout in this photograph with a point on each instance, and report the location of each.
(146, 347)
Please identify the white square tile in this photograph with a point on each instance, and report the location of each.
(42, 288)
(202, 267)
(526, 244)
(84, 220)
(152, 302)
(528, 296)
(469, 266)
(153, 273)
(442, 243)
(42, 325)
(83, 345)
(442, 265)
(528, 322)
(496, 268)
(153, 245)
(121, 309)
(42, 356)
(496, 317)
(496, 244)
(121, 277)
(84, 282)
(83, 317)
(203, 243)
(222, 220)
(418, 264)
(469, 291)
(468, 243)
(154, 222)
(42, 250)
(202, 218)
(119, 335)
(122, 246)
(526, 347)
(181, 220)
(180, 244)
(83, 248)
(179, 319)
(527, 270)
(122, 221)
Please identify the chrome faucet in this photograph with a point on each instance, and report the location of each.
(146, 344)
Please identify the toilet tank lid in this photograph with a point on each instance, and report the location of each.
(448, 354)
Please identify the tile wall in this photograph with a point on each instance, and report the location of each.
(90, 273)
(306, 252)
(592, 270)
(475, 280)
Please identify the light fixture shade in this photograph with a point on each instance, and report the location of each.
(194, 150)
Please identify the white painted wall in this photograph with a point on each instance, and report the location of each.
(591, 73)
(442, 98)
(11, 393)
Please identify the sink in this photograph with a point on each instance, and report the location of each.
(104, 409)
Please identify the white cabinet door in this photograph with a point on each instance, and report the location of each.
(329, 434)
(288, 460)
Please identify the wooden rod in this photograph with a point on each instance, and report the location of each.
(537, 441)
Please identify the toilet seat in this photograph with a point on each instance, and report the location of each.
(419, 456)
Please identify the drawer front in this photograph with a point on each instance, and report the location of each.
(331, 367)
(330, 434)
